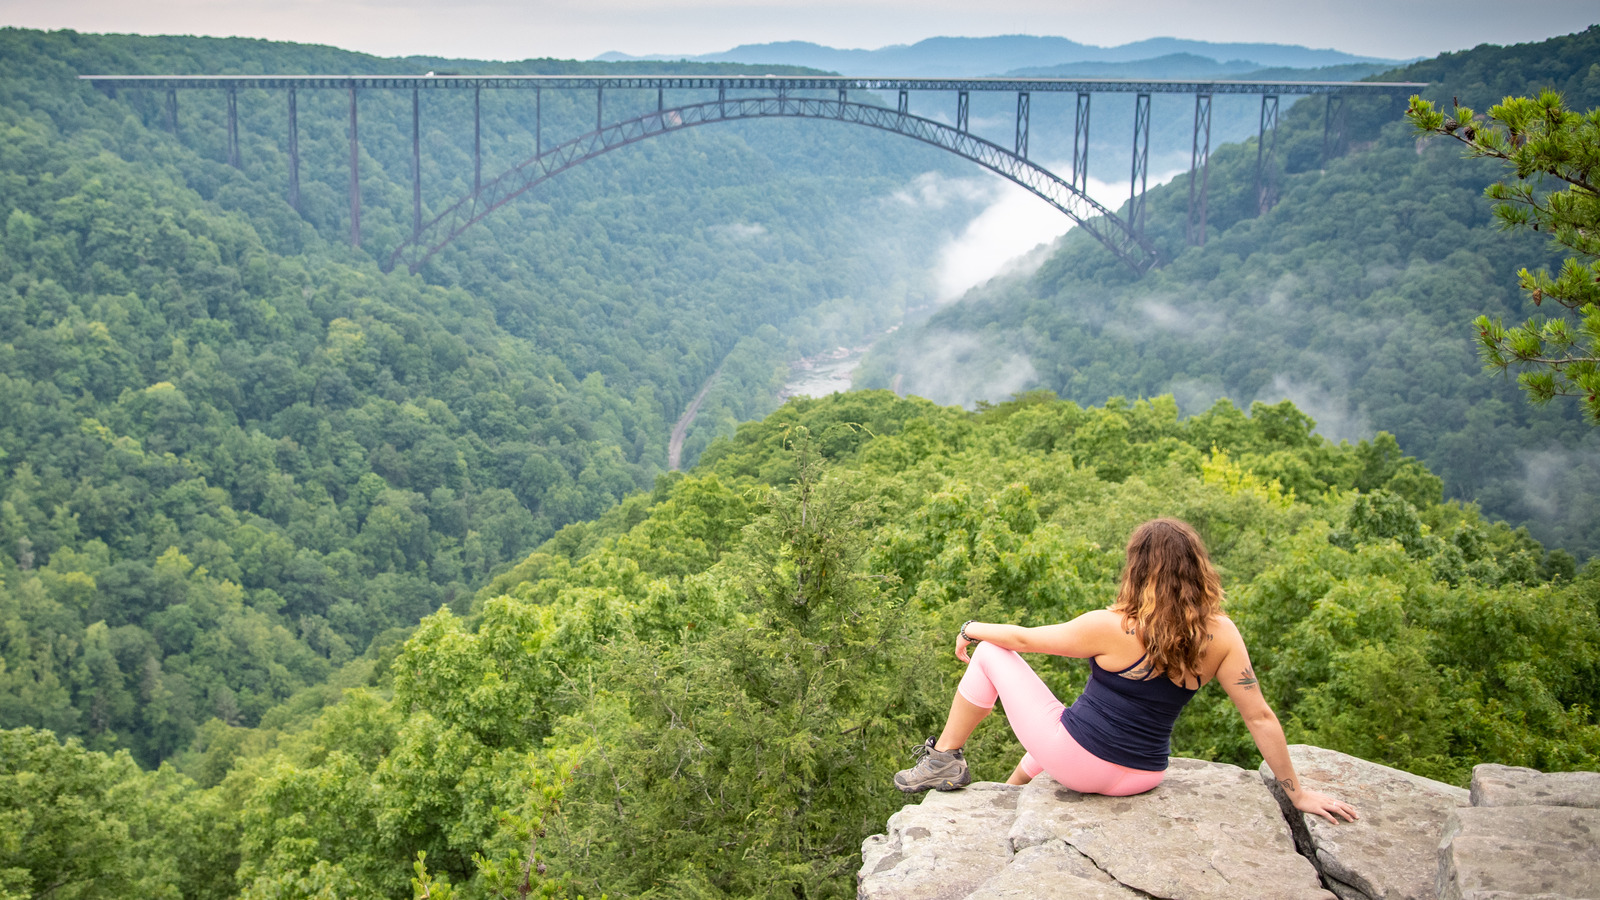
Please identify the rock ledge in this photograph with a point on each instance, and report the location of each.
(1212, 831)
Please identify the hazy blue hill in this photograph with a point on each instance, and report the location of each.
(1173, 65)
(1189, 65)
(1289, 55)
(1353, 296)
(961, 56)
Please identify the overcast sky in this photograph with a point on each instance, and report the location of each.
(582, 29)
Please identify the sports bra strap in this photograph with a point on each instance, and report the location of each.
(1128, 669)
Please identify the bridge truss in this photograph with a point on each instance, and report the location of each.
(789, 97)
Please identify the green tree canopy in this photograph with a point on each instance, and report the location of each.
(1552, 157)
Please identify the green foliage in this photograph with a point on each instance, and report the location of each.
(235, 457)
(76, 823)
(240, 466)
(703, 693)
(1351, 296)
(1541, 140)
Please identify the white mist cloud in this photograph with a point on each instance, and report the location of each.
(738, 231)
(1195, 395)
(1336, 419)
(957, 368)
(1016, 221)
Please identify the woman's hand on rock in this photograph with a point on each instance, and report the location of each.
(1317, 803)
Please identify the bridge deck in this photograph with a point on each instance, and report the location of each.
(746, 82)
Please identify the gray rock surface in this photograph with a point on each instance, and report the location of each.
(1391, 852)
(1522, 852)
(1494, 785)
(1053, 869)
(1214, 832)
(1209, 832)
(942, 848)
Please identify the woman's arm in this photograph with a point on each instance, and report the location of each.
(1087, 635)
(1239, 680)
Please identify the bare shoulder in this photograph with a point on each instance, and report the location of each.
(1223, 630)
(1222, 641)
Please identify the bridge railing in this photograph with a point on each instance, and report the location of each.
(1015, 164)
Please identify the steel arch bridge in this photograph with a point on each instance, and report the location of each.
(1106, 227)
(787, 97)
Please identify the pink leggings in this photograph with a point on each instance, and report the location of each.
(1035, 716)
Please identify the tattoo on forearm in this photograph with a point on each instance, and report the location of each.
(1247, 678)
(1287, 784)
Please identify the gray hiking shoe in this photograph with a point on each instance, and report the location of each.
(942, 770)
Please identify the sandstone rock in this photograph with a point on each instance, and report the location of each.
(942, 848)
(1522, 852)
(1209, 832)
(1494, 785)
(1391, 852)
(1055, 870)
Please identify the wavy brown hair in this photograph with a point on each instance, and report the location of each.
(1169, 591)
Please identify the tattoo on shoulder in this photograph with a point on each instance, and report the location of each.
(1247, 679)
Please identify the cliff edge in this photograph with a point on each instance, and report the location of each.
(1212, 831)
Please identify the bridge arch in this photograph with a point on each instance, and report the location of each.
(1089, 215)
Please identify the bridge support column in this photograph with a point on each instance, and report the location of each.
(905, 102)
(963, 110)
(1141, 163)
(1022, 124)
(416, 163)
(294, 153)
(538, 121)
(355, 175)
(661, 99)
(1266, 151)
(1199, 169)
(1080, 144)
(842, 94)
(233, 128)
(722, 102)
(599, 107)
(477, 140)
(1333, 128)
(172, 110)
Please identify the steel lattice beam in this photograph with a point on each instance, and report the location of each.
(1022, 125)
(1266, 151)
(1080, 143)
(1137, 180)
(1333, 128)
(1100, 222)
(233, 128)
(746, 83)
(355, 175)
(294, 154)
(1199, 169)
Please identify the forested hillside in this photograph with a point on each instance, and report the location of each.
(239, 465)
(1354, 296)
(705, 692)
(235, 457)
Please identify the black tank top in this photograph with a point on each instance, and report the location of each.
(1124, 720)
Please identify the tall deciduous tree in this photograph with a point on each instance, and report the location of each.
(1553, 157)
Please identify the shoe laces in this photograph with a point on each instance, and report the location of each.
(921, 750)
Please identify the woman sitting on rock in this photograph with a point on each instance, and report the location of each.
(1163, 639)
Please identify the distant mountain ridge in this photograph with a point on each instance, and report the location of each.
(968, 56)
